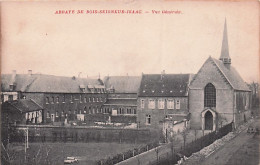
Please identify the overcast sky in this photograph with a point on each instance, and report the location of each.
(35, 38)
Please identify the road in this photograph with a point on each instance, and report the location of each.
(223, 155)
(151, 156)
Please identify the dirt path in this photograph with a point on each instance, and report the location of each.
(223, 155)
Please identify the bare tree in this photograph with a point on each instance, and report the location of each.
(37, 157)
(157, 154)
(184, 134)
(48, 149)
(195, 133)
(8, 155)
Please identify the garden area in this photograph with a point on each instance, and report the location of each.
(54, 153)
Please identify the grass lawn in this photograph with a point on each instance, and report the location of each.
(54, 153)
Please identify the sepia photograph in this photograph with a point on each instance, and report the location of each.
(128, 82)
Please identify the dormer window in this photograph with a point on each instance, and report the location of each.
(82, 88)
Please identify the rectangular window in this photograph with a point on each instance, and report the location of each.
(129, 111)
(97, 99)
(47, 100)
(170, 104)
(52, 100)
(57, 114)
(63, 98)
(178, 104)
(48, 114)
(148, 119)
(71, 98)
(89, 99)
(80, 98)
(10, 98)
(151, 104)
(93, 99)
(57, 99)
(85, 99)
(161, 104)
(142, 104)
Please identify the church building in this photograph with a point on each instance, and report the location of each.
(217, 94)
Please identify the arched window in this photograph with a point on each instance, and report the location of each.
(210, 96)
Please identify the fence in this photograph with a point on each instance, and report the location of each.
(63, 134)
(126, 155)
(174, 156)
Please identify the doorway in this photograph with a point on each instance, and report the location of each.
(208, 121)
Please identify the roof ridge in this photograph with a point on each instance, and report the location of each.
(28, 86)
(36, 103)
(213, 59)
(195, 76)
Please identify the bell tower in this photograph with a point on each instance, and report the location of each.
(224, 57)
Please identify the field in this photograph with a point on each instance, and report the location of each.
(54, 153)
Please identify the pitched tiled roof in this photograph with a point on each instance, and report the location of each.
(123, 84)
(164, 85)
(24, 105)
(125, 102)
(232, 76)
(47, 83)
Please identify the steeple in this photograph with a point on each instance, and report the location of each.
(224, 57)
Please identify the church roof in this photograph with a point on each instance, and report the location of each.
(123, 84)
(164, 85)
(231, 75)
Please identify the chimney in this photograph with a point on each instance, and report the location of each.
(12, 82)
(79, 74)
(29, 72)
(13, 77)
(162, 74)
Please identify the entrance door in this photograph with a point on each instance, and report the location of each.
(208, 121)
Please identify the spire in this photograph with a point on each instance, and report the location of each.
(224, 50)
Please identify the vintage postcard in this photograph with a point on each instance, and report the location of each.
(130, 82)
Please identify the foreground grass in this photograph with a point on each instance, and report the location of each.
(54, 153)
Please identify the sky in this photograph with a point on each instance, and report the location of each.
(35, 38)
